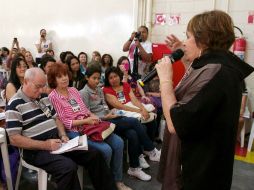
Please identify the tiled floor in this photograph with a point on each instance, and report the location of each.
(243, 179)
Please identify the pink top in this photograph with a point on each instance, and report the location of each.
(70, 108)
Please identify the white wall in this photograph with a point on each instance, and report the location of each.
(237, 9)
(78, 25)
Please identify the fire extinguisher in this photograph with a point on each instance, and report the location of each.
(239, 46)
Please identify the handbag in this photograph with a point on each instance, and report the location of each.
(98, 132)
(148, 107)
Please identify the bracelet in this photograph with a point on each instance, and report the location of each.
(165, 82)
(62, 136)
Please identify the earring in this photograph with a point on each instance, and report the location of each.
(200, 52)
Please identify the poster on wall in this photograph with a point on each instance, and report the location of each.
(174, 19)
(251, 17)
(160, 19)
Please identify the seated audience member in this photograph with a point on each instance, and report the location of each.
(29, 59)
(50, 52)
(23, 50)
(96, 56)
(3, 78)
(32, 125)
(67, 55)
(83, 59)
(75, 116)
(13, 52)
(106, 62)
(62, 57)
(77, 78)
(5, 52)
(119, 93)
(126, 127)
(18, 69)
(46, 63)
(152, 91)
(123, 64)
(96, 59)
(42, 45)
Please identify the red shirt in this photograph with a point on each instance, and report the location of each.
(122, 96)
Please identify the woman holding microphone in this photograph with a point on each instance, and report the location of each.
(202, 112)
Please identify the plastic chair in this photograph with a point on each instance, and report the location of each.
(246, 116)
(5, 156)
(42, 175)
(250, 143)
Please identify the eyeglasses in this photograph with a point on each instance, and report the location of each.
(39, 86)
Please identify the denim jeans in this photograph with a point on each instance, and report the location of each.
(134, 131)
(112, 150)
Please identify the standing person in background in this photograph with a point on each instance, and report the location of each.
(42, 45)
(83, 59)
(202, 113)
(139, 40)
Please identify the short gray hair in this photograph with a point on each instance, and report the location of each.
(32, 72)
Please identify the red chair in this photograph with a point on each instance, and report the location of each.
(161, 50)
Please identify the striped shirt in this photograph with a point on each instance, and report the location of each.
(26, 117)
(69, 108)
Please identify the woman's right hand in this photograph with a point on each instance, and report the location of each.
(91, 120)
(145, 114)
(173, 42)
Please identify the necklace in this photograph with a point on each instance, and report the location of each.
(186, 74)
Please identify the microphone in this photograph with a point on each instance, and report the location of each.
(175, 56)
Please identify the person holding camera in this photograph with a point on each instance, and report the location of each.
(138, 42)
(42, 45)
(14, 50)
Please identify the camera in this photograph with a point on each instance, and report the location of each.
(15, 39)
(138, 36)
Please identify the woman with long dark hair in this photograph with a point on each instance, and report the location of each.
(18, 68)
(78, 79)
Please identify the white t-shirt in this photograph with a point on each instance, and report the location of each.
(147, 45)
(44, 47)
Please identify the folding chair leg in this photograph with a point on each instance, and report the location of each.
(251, 137)
(242, 135)
(18, 176)
(80, 176)
(42, 180)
